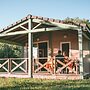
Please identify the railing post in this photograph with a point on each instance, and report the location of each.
(9, 65)
(33, 64)
(54, 65)
(76, 67)
(26, 65)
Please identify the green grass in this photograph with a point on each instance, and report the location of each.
(42, 84)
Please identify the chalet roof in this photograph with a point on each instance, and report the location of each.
(45, 19)
(10, 33)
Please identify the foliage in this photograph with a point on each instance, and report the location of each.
(10, 51)
(42, 84)
(77, 19)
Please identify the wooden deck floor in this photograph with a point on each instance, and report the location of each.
(56, 76)
(43, 76)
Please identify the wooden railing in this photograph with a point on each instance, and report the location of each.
(44, 64)
(10, 65)
(50, 65)
(4, 65)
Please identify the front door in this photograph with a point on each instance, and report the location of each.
(40, 54)
(65, 46)
(42, 50)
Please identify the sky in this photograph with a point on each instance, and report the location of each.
(14, 10)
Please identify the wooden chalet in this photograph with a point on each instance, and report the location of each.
(41, 39)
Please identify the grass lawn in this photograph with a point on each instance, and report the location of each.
(42, 84)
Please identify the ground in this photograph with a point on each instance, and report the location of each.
(43, 84)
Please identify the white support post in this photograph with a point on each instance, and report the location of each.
(29, 51)
(80, 42)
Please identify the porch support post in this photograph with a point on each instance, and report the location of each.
(80, 42)
(29, 50)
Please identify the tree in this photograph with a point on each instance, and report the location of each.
(78, 20)
(10, 51)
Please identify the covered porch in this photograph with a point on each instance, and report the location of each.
(41, 38)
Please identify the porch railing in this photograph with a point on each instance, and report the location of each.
(50, 65)
(10, 65)
(40, 65)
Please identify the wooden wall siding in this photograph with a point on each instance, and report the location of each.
(85, 44)
(58, 37)
(41, 36)
(86, 65)
(86, 55)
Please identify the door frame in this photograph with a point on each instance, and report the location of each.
(43, 42)
(69, 47)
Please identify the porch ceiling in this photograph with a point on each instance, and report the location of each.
(19, 39)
